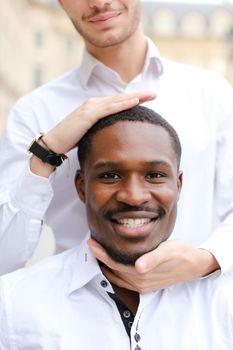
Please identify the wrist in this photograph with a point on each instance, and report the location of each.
(207, 262)
(44, 159)
(50, 143)
(40, 168)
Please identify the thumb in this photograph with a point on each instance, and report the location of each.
(149, 261)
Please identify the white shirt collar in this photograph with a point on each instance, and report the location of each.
(84, 267)
(153, 58)
(91, 66)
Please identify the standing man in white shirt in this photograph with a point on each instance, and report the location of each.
(118, 58)
(130, 191)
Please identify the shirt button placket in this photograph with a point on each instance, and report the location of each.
(137, 337)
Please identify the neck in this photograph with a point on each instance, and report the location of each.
(126, 58)
(128, 297)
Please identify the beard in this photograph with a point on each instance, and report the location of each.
(124, 258)
(109, 40)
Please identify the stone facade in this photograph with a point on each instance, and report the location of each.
(38, 42)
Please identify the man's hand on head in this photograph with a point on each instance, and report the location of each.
(66, 134)
(171, 262)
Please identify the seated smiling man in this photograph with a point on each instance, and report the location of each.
(130, 183)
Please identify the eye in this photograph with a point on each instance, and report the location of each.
(111, 176)
(154, 175)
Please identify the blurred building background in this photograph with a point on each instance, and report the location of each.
(38, 42)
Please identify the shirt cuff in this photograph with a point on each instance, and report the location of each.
(213, 274)
(220, 244)
(32, 193)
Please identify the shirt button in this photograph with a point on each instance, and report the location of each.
(138, 348)
(104, 283)
(137, 337)
(130, 324)
(126, 314)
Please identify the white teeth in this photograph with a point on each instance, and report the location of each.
(134, 223)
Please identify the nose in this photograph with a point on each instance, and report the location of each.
(99, 3)
(134, 192)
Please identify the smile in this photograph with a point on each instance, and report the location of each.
(133, 222)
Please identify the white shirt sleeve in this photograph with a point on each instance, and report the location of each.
(22, 209)
(4, 333)
(24, 197)
(220, 243)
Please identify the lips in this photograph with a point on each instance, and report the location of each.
(104, 17)
(127, 212)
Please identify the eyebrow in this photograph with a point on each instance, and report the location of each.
(110, 165)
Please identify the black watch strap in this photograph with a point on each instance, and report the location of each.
(47, 156)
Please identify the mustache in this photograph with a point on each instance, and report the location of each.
(125, 208)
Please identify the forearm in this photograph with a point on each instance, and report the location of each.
(220, 244)
(22, 209)
(204, 263)
(18, 240)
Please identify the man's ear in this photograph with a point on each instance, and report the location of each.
(79, 183)
(180, 181)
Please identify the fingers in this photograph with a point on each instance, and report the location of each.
(150, 261)
(142, 96)
(146, 263)
(127, 101)
(99, 107)
(148, 96)
(118, 106)
(132, 281)
(65, 135)
(116, 280)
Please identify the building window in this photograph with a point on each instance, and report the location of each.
(69, 45)
(164, 23)
(221, 23)
(37, 77)
(39, 39)
(193, 24)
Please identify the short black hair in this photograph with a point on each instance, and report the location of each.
(135, 114)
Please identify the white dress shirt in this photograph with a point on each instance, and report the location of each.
(62, 303)
(198, 103)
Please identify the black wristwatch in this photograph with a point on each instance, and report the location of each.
(46, 155)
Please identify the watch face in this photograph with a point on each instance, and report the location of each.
(53, 159)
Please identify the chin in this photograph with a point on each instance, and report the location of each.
(124, 258)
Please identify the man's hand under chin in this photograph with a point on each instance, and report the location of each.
(173, 261)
